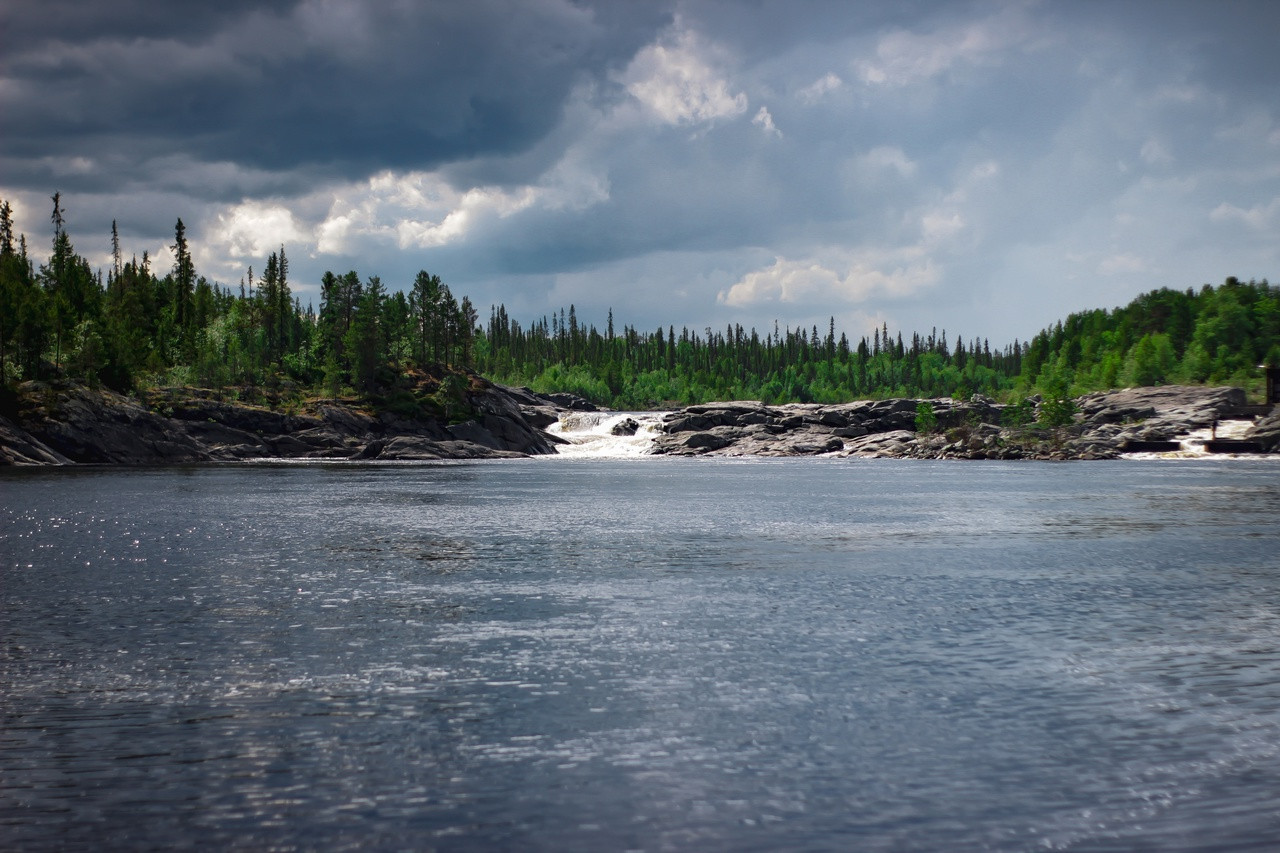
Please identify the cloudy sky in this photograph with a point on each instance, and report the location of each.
(984, 167)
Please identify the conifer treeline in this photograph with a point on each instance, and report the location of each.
(638, 369)
(1217, 335)
(140, 327)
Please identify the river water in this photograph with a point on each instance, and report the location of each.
(571, 654)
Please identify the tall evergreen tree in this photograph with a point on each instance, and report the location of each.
(184, 280)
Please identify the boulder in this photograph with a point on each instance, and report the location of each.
(812, 445)
(626, 426)
(572, 402)
(372, 450)
(1267, 432)
(892, 444)
(504, 421)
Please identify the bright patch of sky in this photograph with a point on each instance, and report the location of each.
(982, 167)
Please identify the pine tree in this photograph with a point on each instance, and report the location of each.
(184, 280)
(115, 250)
(6, 229)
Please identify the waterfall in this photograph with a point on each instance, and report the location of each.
(1193, 443)
(591, 433)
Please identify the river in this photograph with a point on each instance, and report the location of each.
(648, 654)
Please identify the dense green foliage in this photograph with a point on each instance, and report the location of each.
(636, 370)
(1218, 335)
(140, 327)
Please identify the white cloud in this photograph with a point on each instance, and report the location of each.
(937, 226)
(473, 206)
(1259, 217)
(819, 88)
(675, 82)
(867, 274)
(419, 210)
(903, 58)
(887, 158)
(254, 229)
(765, 121)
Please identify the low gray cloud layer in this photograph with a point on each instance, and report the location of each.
(984, 167)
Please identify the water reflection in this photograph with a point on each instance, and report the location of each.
(743, 655)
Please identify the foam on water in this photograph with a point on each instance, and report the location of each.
(590, 434)
(1193, 443)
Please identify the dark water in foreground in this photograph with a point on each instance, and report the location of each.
(692, 655)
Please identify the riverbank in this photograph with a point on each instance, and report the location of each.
(61, 424)
(46, 424)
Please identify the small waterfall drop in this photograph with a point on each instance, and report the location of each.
(1193, 443)
(591, 434)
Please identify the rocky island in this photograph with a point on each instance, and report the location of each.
(1105, 426)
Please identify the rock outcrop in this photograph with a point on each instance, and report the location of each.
(1266, 431)
(1105, 424)
(58, 425)
(1160, 413)
(63, 424)
(18, 447)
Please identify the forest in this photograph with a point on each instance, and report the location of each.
(134, 327)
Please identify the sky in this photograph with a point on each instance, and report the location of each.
(981, 167)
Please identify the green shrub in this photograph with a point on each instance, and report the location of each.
(926, 420)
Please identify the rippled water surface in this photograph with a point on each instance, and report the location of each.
(655, 654)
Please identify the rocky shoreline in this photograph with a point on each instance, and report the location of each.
(71, 424)
(1107, 424)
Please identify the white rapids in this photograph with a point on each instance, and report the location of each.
(1193, 442)
(590, 434)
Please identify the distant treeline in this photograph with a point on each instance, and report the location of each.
(632, 369)
(138, 327)
(1216, 335)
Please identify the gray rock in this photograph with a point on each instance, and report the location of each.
(473, 433)
(502, 417)
(372, 450)
(17, 447)
(571, 402)
(814, 445)
(895, 443)
(345, 421)
(1267, 431)
(404, 448)
(68, 423)
(104, 427)
(626, 426)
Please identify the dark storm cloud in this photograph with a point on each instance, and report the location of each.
(985, 166)
(334, 88)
